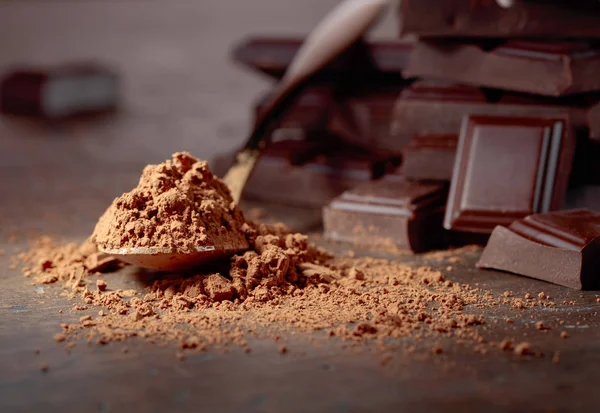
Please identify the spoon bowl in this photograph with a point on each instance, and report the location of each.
(164, 259)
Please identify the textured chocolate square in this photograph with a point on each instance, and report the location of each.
(507, 168)
(390, 212)
(561, 247)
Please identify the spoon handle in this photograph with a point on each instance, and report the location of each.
(343, 26)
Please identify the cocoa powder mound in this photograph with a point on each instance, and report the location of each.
(178, 205)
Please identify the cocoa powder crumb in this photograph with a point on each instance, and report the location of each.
(44, 367)
(101, 284)
(283, 349)
(506, 345)
(556, 357)
(523, 349)
(59, 338)
(437, 349)
(564, 334)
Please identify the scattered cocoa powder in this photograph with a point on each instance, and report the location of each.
(556, 358)
(563, 334)
(281, 283)
(44, 367)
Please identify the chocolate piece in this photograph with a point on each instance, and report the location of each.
(587, 196)
(308, 115)
(427, 108)
(390, 212)
(545, 68)
(59, 92)
(309, 173)
(365, 119)
(273, 56)
(507, 168)
(483, 18)
(429, 157)
(560, 247)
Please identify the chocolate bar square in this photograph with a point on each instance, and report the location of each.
(434, 108)
(429, 157)
(309, 172)
(507, 168)
(539, 67)
(390, 212)
(561, 247)
(59, 92)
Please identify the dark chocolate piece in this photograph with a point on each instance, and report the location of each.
(427, 108)
(59, 92)
(390, 212)
(507, 168)
(561, 247)
(586, 196)
(273, 56)
(545, 68)
(484, 18)
(309, 173)
(429, 157)
(308, 115)
(365, 119)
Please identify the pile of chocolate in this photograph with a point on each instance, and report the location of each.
(485, 129)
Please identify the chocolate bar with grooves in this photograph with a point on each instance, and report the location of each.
(433, 108)
(429, 157)
(309, 172)
(484, 18)
(542, 67)
(561, 247)
(507, 168)
(273, 55)
(390, 212)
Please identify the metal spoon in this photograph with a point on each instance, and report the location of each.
(343, 26)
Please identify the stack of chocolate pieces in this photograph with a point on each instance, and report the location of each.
(493, 112)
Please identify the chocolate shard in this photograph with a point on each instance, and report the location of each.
(273, 56)
(435, 108)
(545, 68)
(561, 247)
(507, 168)
(364, 119)
(387, 213)
(309, 173)
(429, 157)
(483, 18)
(309, 114)
(59, 92)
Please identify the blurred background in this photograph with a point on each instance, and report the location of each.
(180, 89)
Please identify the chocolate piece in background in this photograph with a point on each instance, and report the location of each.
(308, 115)
(484, 18)
(594, 121)
(390, 212)
(59, 92)
(308, 172)
(507, 168)
(429, 157)
(435, 108)
(273, 55)
(586, 196)
(537, 67)
(561, 247)
(364, 118)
